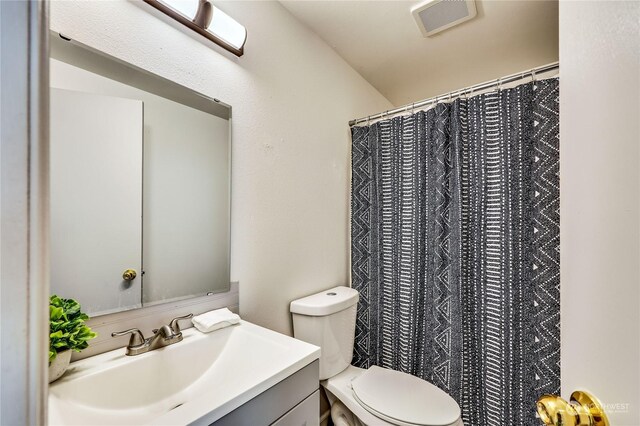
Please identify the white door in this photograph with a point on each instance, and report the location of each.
(96, 199)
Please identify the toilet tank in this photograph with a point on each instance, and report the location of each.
(328, 319)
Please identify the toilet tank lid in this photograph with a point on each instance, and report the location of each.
(326, 302)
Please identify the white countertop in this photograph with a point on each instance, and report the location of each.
(210, 375)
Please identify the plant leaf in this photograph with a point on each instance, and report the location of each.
(67, 329)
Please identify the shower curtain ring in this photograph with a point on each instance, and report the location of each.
(533, 76)
(499, 85)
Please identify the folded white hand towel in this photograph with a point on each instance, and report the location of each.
(214, 320)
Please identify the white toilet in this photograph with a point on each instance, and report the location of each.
(376, 396)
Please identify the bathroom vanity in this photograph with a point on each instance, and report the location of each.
(140, 229)
(242, 374)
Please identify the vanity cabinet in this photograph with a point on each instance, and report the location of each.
(304, 414)
(295, 401)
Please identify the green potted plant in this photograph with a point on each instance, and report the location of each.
(67, 332)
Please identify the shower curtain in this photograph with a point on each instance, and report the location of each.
(455, 249)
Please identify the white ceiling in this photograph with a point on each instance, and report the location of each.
(381, 40)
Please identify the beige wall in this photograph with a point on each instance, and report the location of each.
(292, 97)
(599, 183)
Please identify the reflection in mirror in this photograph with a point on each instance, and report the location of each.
(140, 180)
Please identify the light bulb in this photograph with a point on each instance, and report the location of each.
(227, 28)
(188, 8)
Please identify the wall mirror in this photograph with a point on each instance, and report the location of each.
(140, 184)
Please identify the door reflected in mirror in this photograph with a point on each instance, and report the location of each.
(140, 184)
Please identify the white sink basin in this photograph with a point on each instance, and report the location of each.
(197, 380)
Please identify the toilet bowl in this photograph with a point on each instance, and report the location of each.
(339, 387)
(375, 396)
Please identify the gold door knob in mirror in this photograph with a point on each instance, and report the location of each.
(129, 275)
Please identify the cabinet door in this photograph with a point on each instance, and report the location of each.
(96, 199)
(307, 413)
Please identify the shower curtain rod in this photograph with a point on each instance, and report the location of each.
(456, 93)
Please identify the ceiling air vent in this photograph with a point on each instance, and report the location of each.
(434, 16)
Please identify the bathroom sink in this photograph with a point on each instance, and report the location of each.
(198, 380)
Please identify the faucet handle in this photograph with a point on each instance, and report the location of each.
(137, 338)
(174, 323)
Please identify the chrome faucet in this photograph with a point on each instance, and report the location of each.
(163, 336)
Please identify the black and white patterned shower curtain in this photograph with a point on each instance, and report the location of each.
(455, 249)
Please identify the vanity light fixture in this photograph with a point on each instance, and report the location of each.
(207, 20)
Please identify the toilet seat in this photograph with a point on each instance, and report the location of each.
(403, 399)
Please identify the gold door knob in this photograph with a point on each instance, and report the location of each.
(583, 409)
(129, 275)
